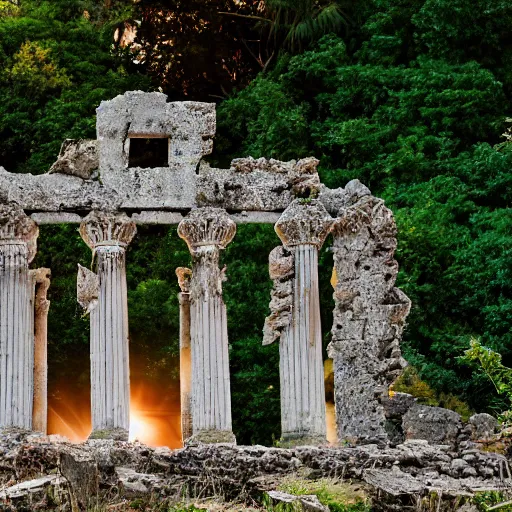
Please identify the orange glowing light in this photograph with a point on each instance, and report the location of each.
(332, 436)
(154, 417)
(141, 429)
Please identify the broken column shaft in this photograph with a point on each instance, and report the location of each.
(18, 235)
(184, 275)
(40, 283)
(369, 315)
(207, 231)
(303, 228)
(108, 235)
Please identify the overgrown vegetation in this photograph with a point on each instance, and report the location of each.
(338, 495)
(489, 363)
(409, 96)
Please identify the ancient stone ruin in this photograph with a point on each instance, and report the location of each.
(146, 166)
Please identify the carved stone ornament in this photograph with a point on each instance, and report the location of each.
(15, 226)
(184, 276)
(305, 221)
(87, 288)
(107, 228)
(207, 227)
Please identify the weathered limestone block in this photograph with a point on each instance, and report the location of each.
(40, 282)
(184, 276)
(56, 192)
(395, 406)
(483, 426)
(207, 231)
(264, 185)
(302, 228)
(334, 199)
(77, 158)
(80, 469)
(108, 235)
(433, 424)
(188, 126)
(18, 237)
(36, 494)
(304, 502)
(369, 314)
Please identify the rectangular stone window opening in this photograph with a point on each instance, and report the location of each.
(149, 152)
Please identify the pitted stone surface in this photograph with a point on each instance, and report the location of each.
(483, 426)
(56, 192)
(433, 424)
(257, 185)
(334, 199)
(369, 314)
(77, 158)
(189, 127)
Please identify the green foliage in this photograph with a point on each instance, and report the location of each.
(299, 22)
(338, 495)
(489, 362)
(423, 129)
(57, 67)
(35, 72)
(498, 500)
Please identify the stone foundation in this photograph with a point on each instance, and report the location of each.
(45, 473)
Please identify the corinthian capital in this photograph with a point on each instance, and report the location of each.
(107, 228)
(15, 226)
(207, 227)
(304, 222)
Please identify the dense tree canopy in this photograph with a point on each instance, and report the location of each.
(409, 96)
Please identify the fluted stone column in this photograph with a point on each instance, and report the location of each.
(18, 236)
(302, 228)
(108, 235)
(184, 275)
(207, 231)
(40, 305)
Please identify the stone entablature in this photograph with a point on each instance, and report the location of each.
(95, 174)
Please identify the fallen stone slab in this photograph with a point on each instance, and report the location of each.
(35, 494)
(306, 502)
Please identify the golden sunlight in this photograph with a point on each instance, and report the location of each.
(140, 428)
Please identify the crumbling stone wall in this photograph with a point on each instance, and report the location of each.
(369, 313)
(42, 473)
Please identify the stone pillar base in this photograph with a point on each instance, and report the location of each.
(293, 440)
(211, 437)
(117, 434)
